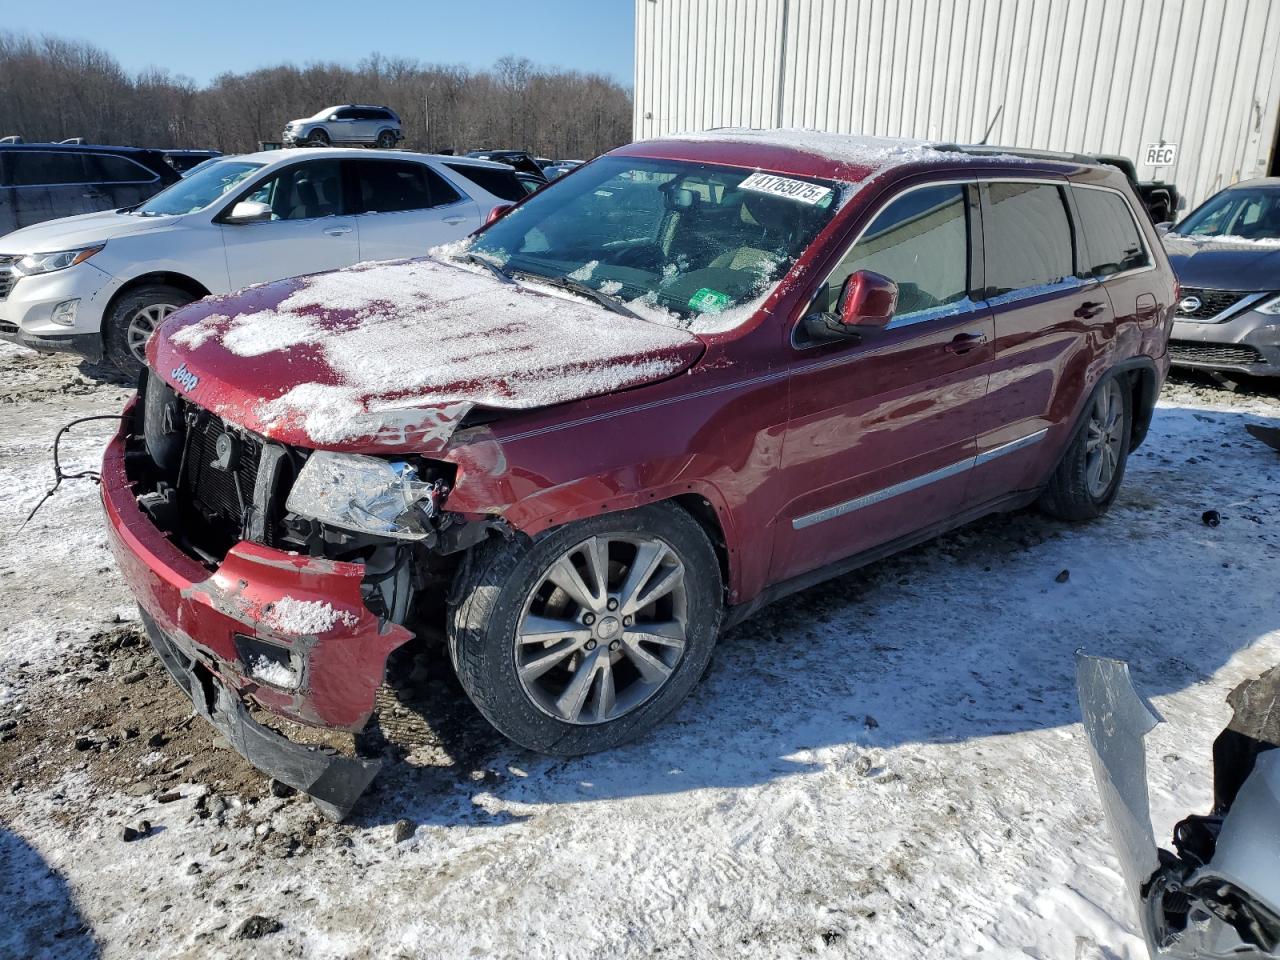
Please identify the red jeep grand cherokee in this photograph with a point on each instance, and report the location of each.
(691, 377)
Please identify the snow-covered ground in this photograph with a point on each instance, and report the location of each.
(888, 765)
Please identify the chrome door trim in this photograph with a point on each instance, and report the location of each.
(915, 483)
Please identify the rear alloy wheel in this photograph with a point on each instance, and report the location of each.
(588, 635)
(386, 140)
(1088, 479)
(133, 320)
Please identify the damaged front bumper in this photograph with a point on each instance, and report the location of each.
(233, 636)
(1218, 895)
(333, 782)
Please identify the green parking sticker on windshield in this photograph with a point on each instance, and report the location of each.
(707, 300)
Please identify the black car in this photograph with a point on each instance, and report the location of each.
(519, 159)
(1226, 254)
(184, 161)
(43, 181)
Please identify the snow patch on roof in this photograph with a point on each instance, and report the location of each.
(1228, 238)
(874, 153)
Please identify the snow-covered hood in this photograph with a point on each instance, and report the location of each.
(1226, 264)
(83, 230)
(394, 355)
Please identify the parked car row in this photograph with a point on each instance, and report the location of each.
(102, 282)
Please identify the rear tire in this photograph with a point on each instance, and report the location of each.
(386, 140)
(632, 664)
(1088, 478)
(134, 318)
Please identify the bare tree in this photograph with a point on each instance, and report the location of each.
(51, 89)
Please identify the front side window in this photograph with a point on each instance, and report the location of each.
(677, 241)
(1027, 236)
(199, 188)
(109, 168)
(303, 191)
(920, 241)
(1111, 236)
(390, 186)
(1244, 213)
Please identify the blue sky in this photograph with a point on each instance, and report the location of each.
(202, 39)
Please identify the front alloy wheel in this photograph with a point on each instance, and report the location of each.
(604, 628)
(144, 322)
(587, 635)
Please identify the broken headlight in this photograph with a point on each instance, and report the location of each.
(365, 495)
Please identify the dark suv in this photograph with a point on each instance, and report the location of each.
(43, 181)
(693, 377)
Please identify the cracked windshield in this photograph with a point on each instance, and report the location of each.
(676, 242)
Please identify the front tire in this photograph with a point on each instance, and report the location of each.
(590, 634)
(133, 320)
(1088, 478)
(317, 138)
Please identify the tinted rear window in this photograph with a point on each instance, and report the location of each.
(1110, 235)
(28, 168)
(389, 186)
(501, 183)
(1027, 236)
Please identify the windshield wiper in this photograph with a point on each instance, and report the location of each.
(586, 290)
(489, 265)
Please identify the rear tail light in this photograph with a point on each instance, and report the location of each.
(496, 212)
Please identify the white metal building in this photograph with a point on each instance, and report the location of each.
(1129, 77)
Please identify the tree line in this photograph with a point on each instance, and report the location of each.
(52, 89)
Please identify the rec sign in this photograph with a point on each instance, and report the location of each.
(1160, 154)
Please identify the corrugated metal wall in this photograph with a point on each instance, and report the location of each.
(1101, 76)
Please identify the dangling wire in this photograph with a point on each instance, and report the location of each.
(58, 474)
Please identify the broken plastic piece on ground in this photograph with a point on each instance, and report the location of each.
(1211, 518)
(333, 782)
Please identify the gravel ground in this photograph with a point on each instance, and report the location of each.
(890, 764)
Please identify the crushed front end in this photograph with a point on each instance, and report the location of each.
(255, 607)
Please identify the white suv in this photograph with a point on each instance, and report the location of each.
(102, 282)
(352, 123)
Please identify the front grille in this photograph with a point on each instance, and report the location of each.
(1212, 302)
(1233, 354)
(7, 277)
(216, 501)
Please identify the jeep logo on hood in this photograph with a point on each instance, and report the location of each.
(185, 378)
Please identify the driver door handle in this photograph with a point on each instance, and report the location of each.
(962, 343)
(1090, 308)
(454, 220)
(337, 231)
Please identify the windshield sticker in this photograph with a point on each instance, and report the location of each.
(801, 190)
(707, 300)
